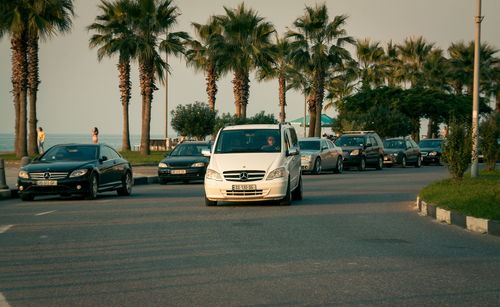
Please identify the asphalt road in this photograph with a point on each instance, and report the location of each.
(355, 239)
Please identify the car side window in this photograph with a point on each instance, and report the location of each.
(108, 153)
(287, 139)
(408, 144)
(369, 141)
(415, 145)
(293, 137)
(330, 145)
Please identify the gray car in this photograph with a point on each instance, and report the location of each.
(320, 154)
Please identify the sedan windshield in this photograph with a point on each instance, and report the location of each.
(430, 143)
(309, 145)
(350, 141)
(70, 153)
(249, 140)
(189, 149)
(394, 144)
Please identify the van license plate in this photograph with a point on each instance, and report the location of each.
(46, 182)
(243, 187)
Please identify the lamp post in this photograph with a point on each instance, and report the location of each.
(166, 97)
(475, 94)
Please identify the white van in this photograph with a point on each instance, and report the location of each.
(254, 163)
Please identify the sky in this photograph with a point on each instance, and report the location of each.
(77, 92)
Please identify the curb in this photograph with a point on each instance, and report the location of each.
(8, 194)
(471, 223)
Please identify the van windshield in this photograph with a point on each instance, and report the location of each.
(249, 140)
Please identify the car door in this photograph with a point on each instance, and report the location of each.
(294, 161)
(106, 168)
(333, 153)
(410, 152)
(370, 149)
(119, 165)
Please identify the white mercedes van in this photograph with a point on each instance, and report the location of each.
(254, 163)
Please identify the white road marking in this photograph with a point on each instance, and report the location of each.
(3, 301)
(3, 229)
(43, 213)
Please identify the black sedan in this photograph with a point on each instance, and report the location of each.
(184, 163)
(402, 152)
(76, 169)
(431, 151)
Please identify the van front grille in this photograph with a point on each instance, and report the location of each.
(244, 193)
(244, 175)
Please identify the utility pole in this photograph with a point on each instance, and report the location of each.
(475, 94)
(166, 96)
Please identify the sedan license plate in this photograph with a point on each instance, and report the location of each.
(178, 171)
(244, 187)
(46, 182)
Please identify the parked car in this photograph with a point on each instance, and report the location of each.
(320, 154)
(362, 149)
(81, 169)
(432, 150)
(402, 151)
(254, 163)
(184, 163)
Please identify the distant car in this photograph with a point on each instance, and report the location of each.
(432, 150)
(184, 163)
(362, 149)
(81, 169)
(320, 154)
(402, 151)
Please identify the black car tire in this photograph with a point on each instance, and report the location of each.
(403, 162)
(339, 168)
(380, 163)
(362, 164)
(163, 180)
(317, 166)
(287, 200)
(297, 193)
(93, 187)
(27, 197)
(127, 182)
(210, 203)
(419, 162)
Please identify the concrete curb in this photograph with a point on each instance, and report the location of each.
(471, 223)
(8, 194)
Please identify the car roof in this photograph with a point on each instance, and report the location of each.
(196, 142)
(310, 139)
(398, 138)
(81, 144)
(432, 140)
(253, 126)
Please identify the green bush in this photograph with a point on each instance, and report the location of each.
(226, 119)
(489, 132)
(457, 149)
(193, 120)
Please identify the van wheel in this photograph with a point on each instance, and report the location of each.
(297, 193)
(287, 200)
(317, 166)
(210, 203)
(340, 166)
(380, 163)
(362, 164)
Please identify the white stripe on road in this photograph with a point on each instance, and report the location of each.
(3, 229)
(43, 213)
(3, 301)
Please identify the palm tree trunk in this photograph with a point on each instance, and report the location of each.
(211, 86)
(33, 83)
(147, 87)
(320, 92)
(282, 94)
(312, 113)
(125, 85)
(497, 104)
(430, 128)
(241, 89)
(237, 94)
(19, 85)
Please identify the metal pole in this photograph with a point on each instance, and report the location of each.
(305, 110)
(166, 97)
(475, 95)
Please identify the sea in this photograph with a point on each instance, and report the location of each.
(113, 140)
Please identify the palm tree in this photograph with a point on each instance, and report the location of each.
(370, 59)
(246, 45)
(151, 20)
(116, 36)
(280, 69)
(202, 55)
(319, 43)
(301, 79)
(341, 85)
(412, 53)
(392, 66)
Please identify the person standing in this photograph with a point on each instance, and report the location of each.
(41, 139)
(95, 135)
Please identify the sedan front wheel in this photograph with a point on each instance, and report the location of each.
(93, 187)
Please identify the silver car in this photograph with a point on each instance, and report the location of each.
(320, 154)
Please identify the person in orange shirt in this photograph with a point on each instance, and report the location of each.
(95, 135)
(41, 139)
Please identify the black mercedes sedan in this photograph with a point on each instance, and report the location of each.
(76, 169)
(184, 163)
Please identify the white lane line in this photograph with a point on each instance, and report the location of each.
(47, 212)
(3, 301)
(3, 229)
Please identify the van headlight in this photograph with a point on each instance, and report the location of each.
(78, 173)
(213, 175)
(277, 173)
(23, 174)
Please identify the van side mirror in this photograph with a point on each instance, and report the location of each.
(293, 151)
(206, 152)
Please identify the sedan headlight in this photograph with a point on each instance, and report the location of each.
(23, 174)
(162, 164)
(394, 154)
(355, 152)
(213, 175)
(277, 173)
(199, 164)
(434, 153)
(306, 158)
(78, 173)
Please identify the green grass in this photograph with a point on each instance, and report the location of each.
(478, 197)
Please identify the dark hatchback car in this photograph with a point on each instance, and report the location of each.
(362, 149)
(76, 169)
(402, 152)
(184, 163)
(432, 151)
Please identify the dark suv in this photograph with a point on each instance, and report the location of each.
(362, 149)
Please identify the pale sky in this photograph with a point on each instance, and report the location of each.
(77, 92)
